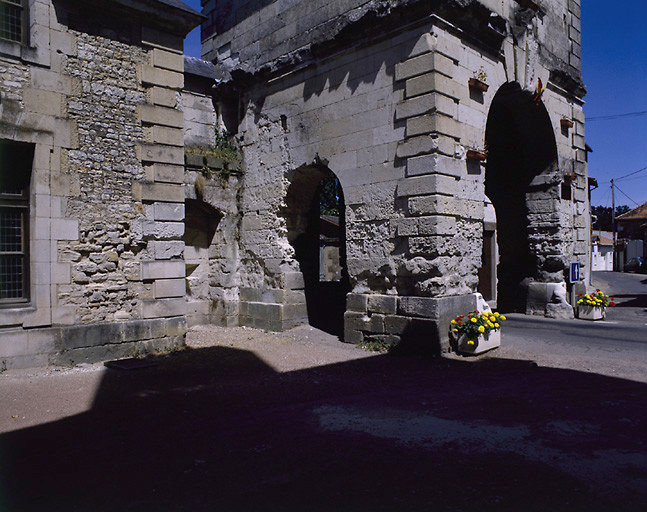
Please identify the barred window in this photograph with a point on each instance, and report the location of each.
(12, 17)
(15, 170)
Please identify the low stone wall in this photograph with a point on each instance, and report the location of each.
(71, 345)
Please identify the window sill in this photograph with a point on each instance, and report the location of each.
(14, 314)
(24, 53)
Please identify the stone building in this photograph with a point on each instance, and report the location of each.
(426, 113)
(142, 192)
(91, 179)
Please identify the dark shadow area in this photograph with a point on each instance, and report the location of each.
(200, 223)
(218, 429)
(521, 146)
(630, 300)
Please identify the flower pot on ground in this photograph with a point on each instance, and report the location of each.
(477, 332)
(593, 306)
(482, 343)
(590, 313)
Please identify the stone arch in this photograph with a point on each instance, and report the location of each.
(319, 244)
(522, 164)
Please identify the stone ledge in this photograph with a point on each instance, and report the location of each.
(76, 344)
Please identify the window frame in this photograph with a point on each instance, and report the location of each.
(24, 21)
(20, 202)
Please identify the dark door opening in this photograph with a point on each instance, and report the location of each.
(521, 146)
(316, 230)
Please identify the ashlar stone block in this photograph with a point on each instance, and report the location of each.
(163, 192)
(434, 123)
(161, 77)
(427, 103)
(423, 64)
(158, 153)
(163, 116)
(164, 288)
(433, 82)
(424, 144)
(168, 269)
(423, 185)
(168, 60)
(435, 164)
(159, 308)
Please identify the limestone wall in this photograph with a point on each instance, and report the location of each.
(105, 260)
(97, 97)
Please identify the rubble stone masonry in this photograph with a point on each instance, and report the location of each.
(95, 90)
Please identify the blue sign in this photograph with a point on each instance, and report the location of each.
(575, 272)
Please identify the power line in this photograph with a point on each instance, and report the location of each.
(631, 173)
(623, 177)
(616, 116)
(635, 202)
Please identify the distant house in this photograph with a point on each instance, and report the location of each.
(601, 250)
(632, 234)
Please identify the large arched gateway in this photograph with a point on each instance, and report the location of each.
(521, 173)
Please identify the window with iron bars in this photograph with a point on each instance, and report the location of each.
(15, 170)
(12, 20)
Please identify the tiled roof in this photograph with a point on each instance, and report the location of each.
(638, 213)
(602, 237)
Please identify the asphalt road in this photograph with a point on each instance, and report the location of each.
(615, 346)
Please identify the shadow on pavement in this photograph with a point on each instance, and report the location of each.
(630, 300)
(217, 429)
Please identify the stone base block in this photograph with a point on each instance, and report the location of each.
(206, 312)
(272, 316)
(416, 324)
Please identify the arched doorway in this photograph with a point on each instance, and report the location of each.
(521, 157)
(315, 219)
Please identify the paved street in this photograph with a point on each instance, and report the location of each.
(247, 420)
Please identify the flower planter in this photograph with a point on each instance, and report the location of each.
(590, 313)
(478, 85)
(473, 154)
(566, 123)
(483, 343)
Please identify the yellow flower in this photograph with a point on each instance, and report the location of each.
(455, 330)
(496, 325)
(473, 320)
(470, 342)
(496, 315)
(490, 324)
(481, 328)
(502, 317)
(452, 322)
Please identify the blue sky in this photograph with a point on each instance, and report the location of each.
(614, 68)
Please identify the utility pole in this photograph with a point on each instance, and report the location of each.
(613, 226)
